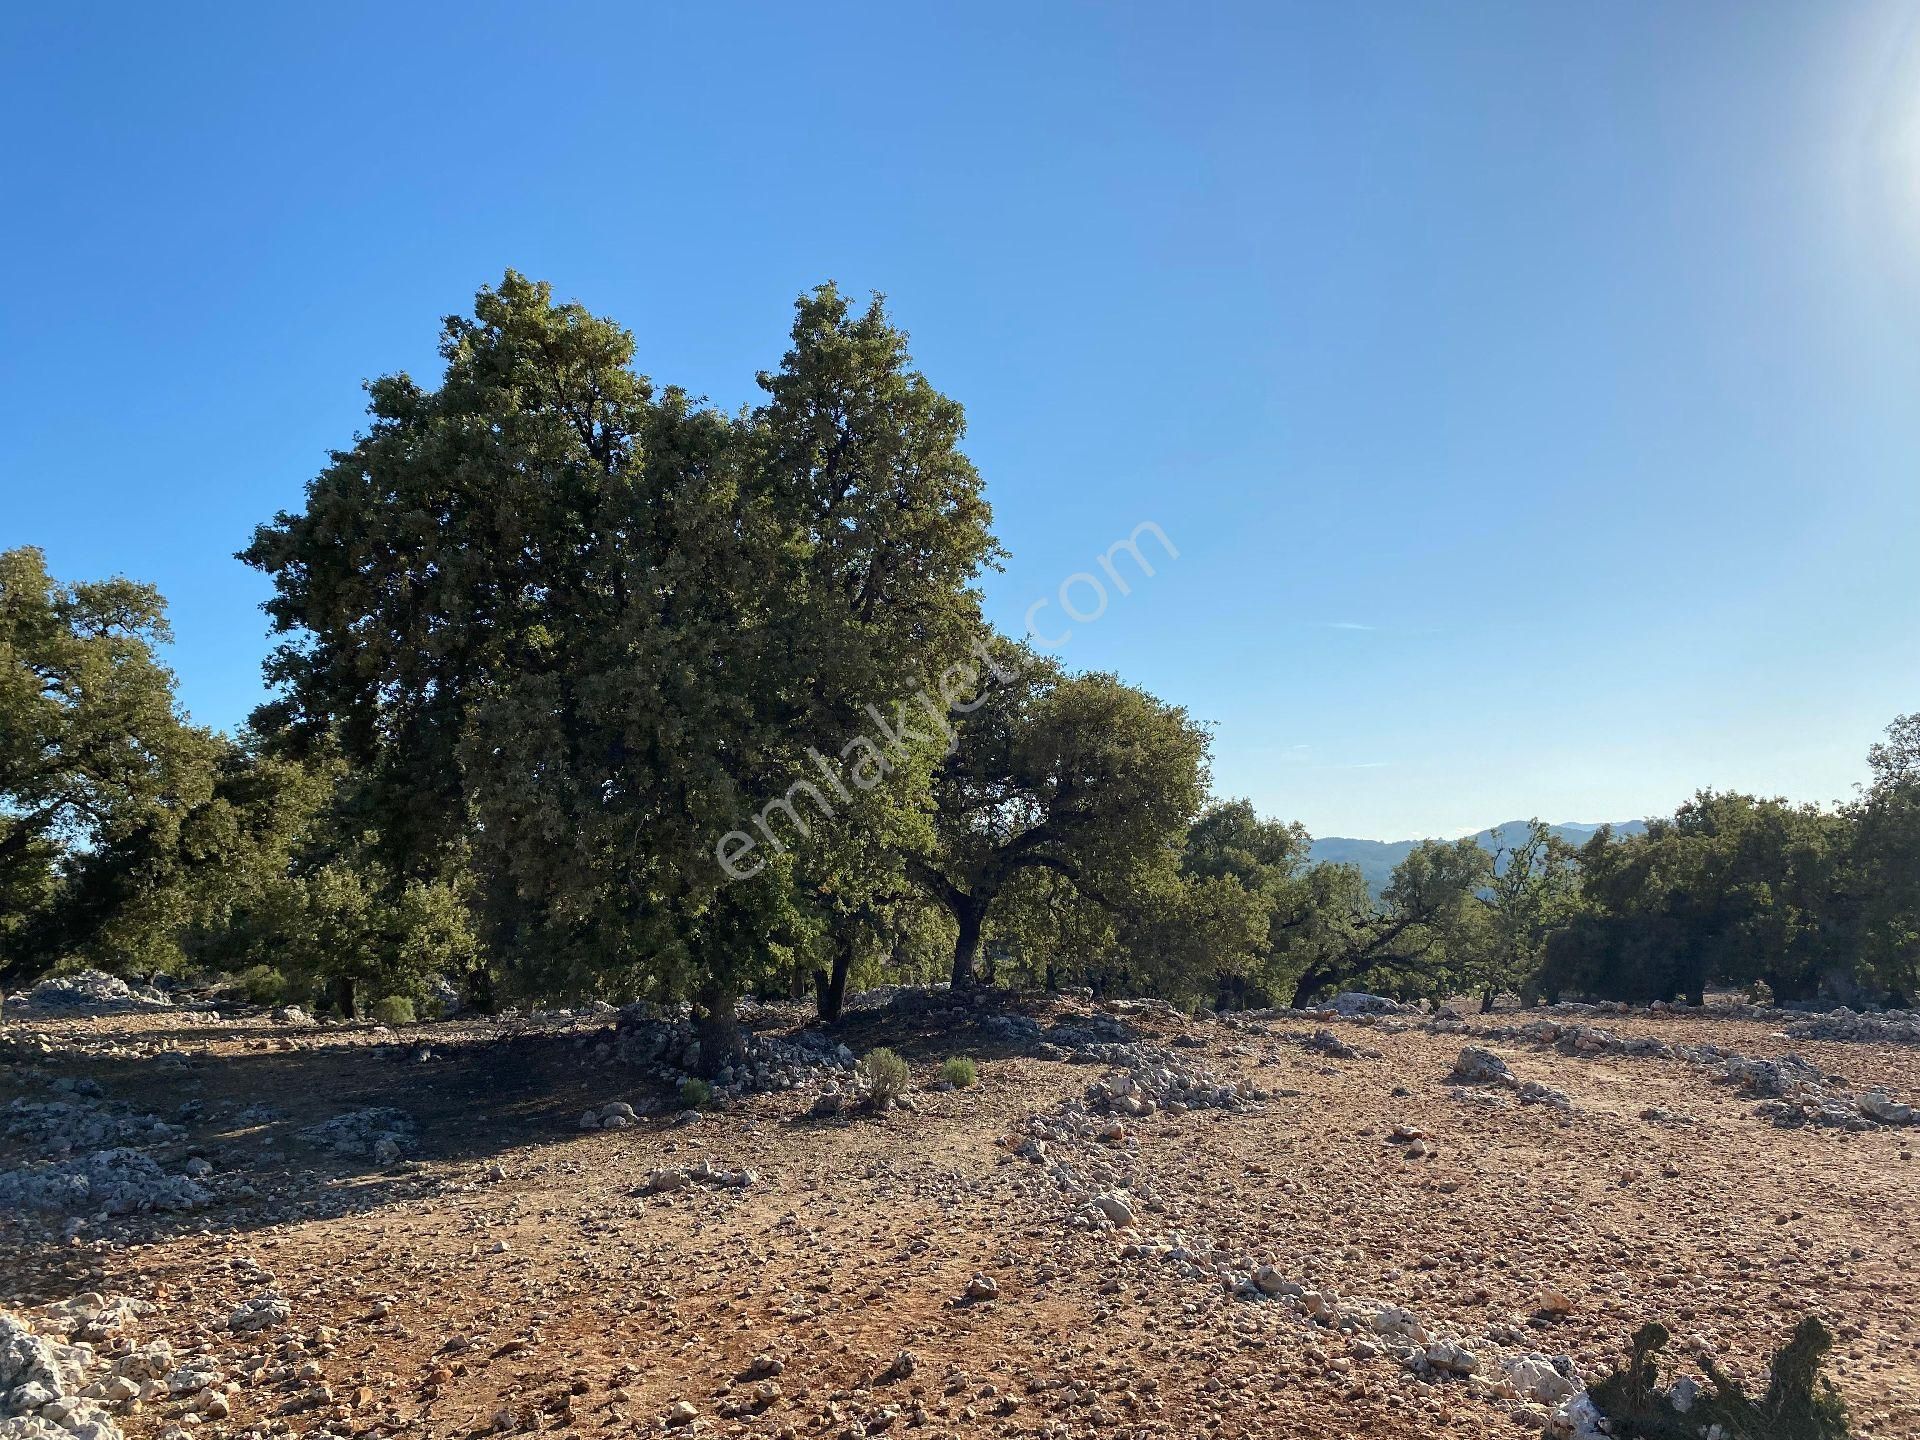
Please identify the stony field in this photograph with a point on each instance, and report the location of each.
(1134, 1224)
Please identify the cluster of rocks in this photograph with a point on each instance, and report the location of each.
(1325, 1042)
(1478, 1066)
(1791, 1090)
(113, 1182)
(379, 1133)
(1545, 1392)
(56, 1385)
(1155, 1078)
(58, 1128)
(265, 1311)
(1890, 1027)
(1796, 1093)
(670, 1178)
(841, 1096)
(1080, 1145)
(87, 1156)
(614, 1115)
(670, 1048)
(89, 992)
(1349, 1003)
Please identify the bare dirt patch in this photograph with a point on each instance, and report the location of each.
(504, 1270)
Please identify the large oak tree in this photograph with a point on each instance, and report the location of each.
(587, 626)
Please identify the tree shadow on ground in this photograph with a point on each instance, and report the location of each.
(473, 1090)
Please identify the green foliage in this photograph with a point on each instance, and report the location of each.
(886, 1074)
(958, 1071)
(263, 985)
(392, 1010)
(1231, 930)
(1732, 889)
(587, 688)
(1534, 891)
(94, 756)
(350, 928)
(1886, 862)
(1427, 936)
(126, 833)
(1081, 776)
(586, 627)
(695, 1094)
(1800, 1403)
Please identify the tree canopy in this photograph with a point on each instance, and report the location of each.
(585, 687)
(1080, 776)
(589, 626)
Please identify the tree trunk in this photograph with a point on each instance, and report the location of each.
(719, 1029)
(1486, 1001)
(341, 993)
(1311, 979)
(17, 974)
(480, 992)
(831, 989)
(971, 917)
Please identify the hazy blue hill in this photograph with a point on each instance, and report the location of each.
(1376, 858)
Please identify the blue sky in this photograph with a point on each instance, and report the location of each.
(1530, 390)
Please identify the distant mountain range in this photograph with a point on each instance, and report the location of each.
(1376, 858)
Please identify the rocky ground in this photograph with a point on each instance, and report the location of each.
(1134, 1224)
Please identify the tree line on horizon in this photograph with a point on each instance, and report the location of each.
(548, 633)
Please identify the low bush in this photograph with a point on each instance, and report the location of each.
(959, 1072)
(262, 985)
(392, 1010)
(695, 1094)
(887, 1076)
(1800, 1403)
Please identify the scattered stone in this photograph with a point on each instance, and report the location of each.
(1891, 1027)
(667, 1180)
(1328, 1043)
(1543, 1381)
(263, 1312)
(1480, 1067)
(614, 1115)
(1358, 1002)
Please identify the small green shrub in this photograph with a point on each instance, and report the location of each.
(695, 1094)
(1760, 993)
(959, 1072)
(262, 985)
(887, 1075)
(1800, 1403)
(392, 1010)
